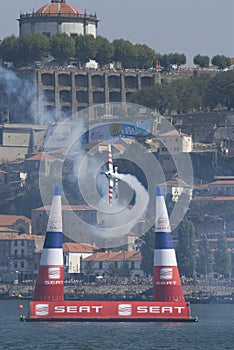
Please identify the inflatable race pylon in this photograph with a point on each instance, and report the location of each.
(167, 283)
(49, 284)
(48, 302)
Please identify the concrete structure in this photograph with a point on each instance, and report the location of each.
(171, 144)
(7, 231)
(221, 187)
(17, 140)
(70, 214)
(62, 92)
(47, 164)
(109, 262)
(16, 222)
(19, 257)
(73, 254)
(174, 142)
(175, 187)
(58, 17)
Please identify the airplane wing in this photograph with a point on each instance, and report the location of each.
(111, 185)
(110, 160)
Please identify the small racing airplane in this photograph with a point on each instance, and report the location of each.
(112, 174)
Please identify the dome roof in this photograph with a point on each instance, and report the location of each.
(58, 8)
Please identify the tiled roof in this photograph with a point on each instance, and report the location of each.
(223, 182)
(213, 198)
(8, 229)
(56, 8)
(176, 183)
(200, 187)
(115, 256)
(8, 220)
(78, 247)
(173, 132)
(24, 236)
(42, 156)
(68, 207)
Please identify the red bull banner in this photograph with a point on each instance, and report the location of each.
(108, 310)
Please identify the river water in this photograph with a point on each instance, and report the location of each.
(215, 330)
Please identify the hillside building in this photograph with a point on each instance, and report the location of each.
(58, 17)
(17, 140)
(19, 258)
(107, 262)
(73, 254)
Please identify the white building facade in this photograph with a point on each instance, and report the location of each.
(58, 17)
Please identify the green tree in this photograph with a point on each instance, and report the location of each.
(145, 56)
(204, 259)
(164, 61)
(7, 48)
(222, 257)
(85, 48)
(221, 61)
(220, 91)
(201, 61)
(125, 53)
(30, 48)
(187, 95)
(201, 83)
(147, 251)
(160, 97)
(186, 250)
(104, 51)
(177, 59)
(62, 47)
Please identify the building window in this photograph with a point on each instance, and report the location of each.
(15, 243)
(22, 243)
(100, 265)
(22, 252)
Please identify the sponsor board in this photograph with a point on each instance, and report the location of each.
(108, 309)
(42, 310)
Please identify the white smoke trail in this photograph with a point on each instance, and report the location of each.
(120, 221)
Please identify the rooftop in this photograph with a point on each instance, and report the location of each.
(58, 8)
(8, 220)
(74, 247)
(115, 256)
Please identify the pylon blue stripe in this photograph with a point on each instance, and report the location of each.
(57, 191)
(163, 240)
(159, 191)
(53, 240)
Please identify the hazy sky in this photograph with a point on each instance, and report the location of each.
(184, 26)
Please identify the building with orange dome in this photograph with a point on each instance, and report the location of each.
(58, 17)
